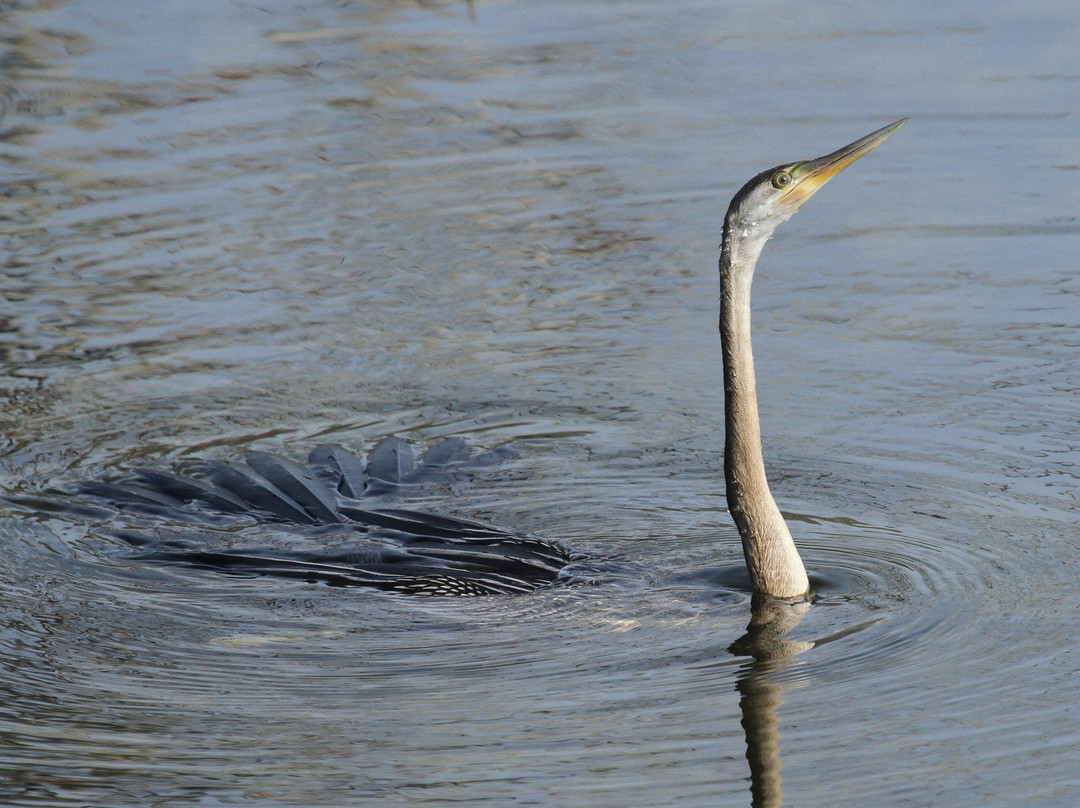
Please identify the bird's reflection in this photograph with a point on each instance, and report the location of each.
(761, 694)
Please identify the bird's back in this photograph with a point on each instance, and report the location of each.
(336, 504)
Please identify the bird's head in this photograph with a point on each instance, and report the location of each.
(773, 196)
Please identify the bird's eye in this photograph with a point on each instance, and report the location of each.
(781, 179)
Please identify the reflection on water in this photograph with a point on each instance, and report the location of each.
(761, 696)
(231, 227)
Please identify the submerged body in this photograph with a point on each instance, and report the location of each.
(407, 551)
(337, 506)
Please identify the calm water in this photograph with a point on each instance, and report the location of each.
(268, 225)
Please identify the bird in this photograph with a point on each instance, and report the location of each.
(756, 211)
(401, 550)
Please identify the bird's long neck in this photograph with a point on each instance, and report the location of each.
(774, 563)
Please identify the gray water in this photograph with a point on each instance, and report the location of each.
(268, 225)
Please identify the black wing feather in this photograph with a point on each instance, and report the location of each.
(395, 549)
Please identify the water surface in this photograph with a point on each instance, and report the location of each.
(237, 226)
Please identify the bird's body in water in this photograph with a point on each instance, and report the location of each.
(340, 507)
(407, 551)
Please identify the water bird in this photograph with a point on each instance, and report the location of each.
(408, 551)
(761, 206)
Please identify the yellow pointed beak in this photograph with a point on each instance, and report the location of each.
(810, 176)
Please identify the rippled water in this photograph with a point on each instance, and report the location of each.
(234, 226)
